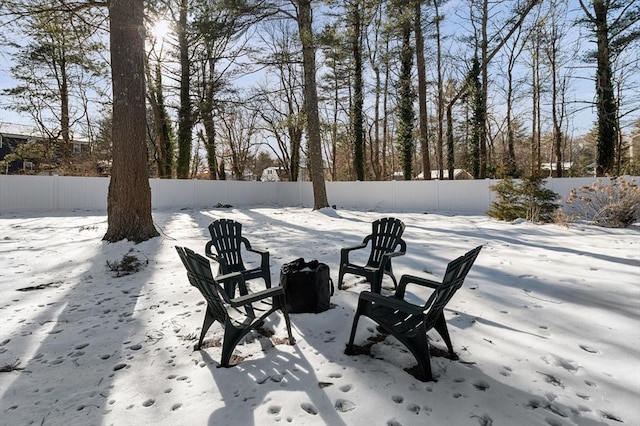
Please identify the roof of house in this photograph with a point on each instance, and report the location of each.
(26, 131)
(14, 129)
(435, 174)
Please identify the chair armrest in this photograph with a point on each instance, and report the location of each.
(208, 252)
(348, 249)
(229, 282)
(388, 256)
(264, 254)
(391, 302)
(256, 296)
(259, 251)
(395, 254)
(344, 252)
(412, 279)
(214, 256)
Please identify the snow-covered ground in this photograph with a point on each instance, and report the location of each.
(547, 327)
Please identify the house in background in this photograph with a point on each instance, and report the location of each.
(12, 135)
(551, 169)
(274, 174)
(458, 174)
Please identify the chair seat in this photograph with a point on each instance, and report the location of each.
(385, 242)
(225, 247)
(408, 322)
(237, 315)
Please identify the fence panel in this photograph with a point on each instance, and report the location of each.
(86, 193)
(50, 193)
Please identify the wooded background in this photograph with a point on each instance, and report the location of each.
(404, 87)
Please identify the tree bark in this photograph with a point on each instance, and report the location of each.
(311, 104)
(129, 198)
(358, 98)
(607, 109)
(185, 122)
(406, 97)
(422, 93)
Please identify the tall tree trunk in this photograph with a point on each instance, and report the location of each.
(161, 123)
(406, 97)
(607, 110)
(535, 106)
(311, 104)
(64, 110)
(478, 119)
(185, 123)
(482, 124)
(422, 93)
(358, 98)
(129, 199)
(385, 111)
(511, 168)
(206, 113)
(375, 145)
(209, 139)
(556, 119)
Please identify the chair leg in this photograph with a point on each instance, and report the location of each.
(376, 282)
(267, 279)
(393, 278)
(230, 289)
(292, 341)
(340, 277)
(232, 337)
(208, 320)
(419, 347)
(349, 350)
(441, 327)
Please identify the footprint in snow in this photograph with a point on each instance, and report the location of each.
(414, 408)
(553, 422)
(274, 410)
(589, 349)
(481, 385)
(344, 405)
(309, 408)
(398, 399)
(346, 388)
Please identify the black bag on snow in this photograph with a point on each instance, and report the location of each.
(307, 286)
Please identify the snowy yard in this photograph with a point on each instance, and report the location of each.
(547, 327)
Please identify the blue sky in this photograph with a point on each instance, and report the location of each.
(582, 87)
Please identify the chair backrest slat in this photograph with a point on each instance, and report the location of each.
(226, 237)
(386, 234)
(454, 277)
(201, 277)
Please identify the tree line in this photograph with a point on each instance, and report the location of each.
(358, 89)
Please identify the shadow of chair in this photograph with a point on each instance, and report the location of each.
(408, 322)
(225, 247)
(386, 242)
(236, 315)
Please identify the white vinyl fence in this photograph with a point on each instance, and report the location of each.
(63, 193)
